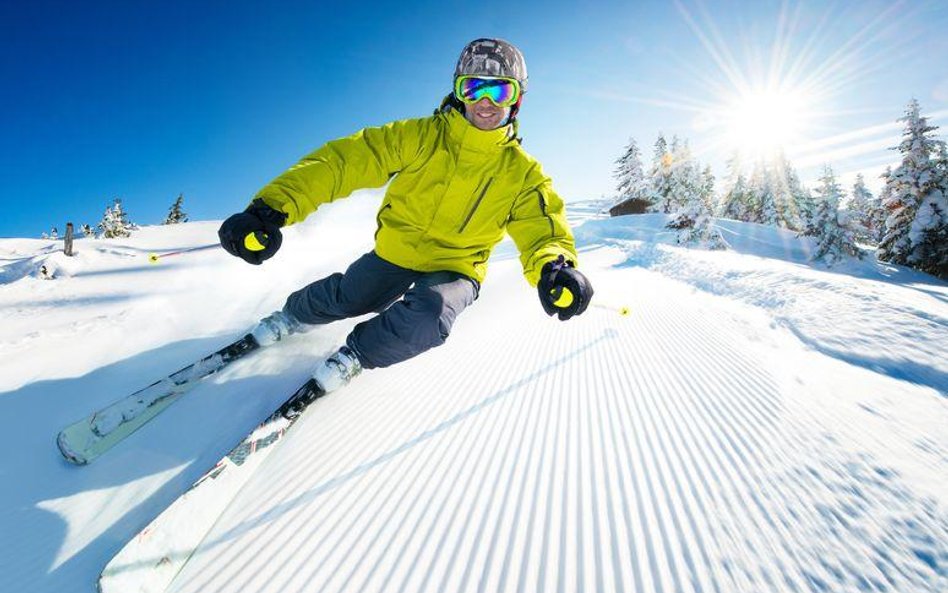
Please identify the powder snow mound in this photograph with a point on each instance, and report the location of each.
(756, 423)
(22, 258)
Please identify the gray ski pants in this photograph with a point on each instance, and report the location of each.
(415, 309)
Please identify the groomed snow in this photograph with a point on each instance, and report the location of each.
(757, 423)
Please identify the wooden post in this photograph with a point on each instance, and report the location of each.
(67, 249)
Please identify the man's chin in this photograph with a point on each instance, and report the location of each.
(485, 124)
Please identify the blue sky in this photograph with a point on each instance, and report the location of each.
(144, 101)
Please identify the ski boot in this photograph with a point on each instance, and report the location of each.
(337, 370)
(274, 327)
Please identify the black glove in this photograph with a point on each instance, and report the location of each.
(254, 234)
(557, 276)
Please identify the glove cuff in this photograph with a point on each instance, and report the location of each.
(556, 265)
(266, 213)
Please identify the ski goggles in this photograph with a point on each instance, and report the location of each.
(502, 92)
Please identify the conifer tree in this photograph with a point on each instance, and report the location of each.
(860, 210)
(794, 201)
(115, 222)
(690, 200)
(660, 175)
(758, 194)
(931, 223)
(915, 198)
(734, 202)
(830, 227)
(176, 214)
(707, 188)
(881, 213)
(87, 230)
(806, 212)
(684, 180)
(735, 205)
(631, 182)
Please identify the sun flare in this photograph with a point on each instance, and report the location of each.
(761, 124)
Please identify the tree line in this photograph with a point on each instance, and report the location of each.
(117, 223)
(907, 223)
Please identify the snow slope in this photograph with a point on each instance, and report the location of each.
(757, 423)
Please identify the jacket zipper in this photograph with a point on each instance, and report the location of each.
(470, 214)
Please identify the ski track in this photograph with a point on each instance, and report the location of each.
(710, 479)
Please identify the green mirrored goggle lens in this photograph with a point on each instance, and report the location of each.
(502, 92)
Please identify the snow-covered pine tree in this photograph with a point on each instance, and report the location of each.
(631, 183)
(776, 190)
(176, 214)
(684, 179)
(793, 200)
(707, 188)
(916, 198)
(87, 230)
(695, 225)
(115, 222)
(767, 194)
(54, 233)
(734, 203)
(760, 202)
(931, 223)
(690, 200)
(931, 247)
(860, 210)
(879, 211)
(830, 226)
(805, 211)
(930, 227)
(659, 175)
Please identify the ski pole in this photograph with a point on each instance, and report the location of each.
(566, 297)
(154, 257)
(620, 309)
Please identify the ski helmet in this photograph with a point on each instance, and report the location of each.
(492, 57)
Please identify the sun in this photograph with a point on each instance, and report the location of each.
(761, 124)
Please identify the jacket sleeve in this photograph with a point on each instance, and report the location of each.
(538, 226)
(366, 159)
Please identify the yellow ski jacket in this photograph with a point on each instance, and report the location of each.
(456, 190)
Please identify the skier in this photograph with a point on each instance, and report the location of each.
(459, 180)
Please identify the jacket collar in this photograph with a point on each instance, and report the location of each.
(467, 135)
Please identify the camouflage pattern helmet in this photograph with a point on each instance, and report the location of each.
(492, 57)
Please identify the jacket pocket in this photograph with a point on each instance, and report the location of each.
(477, 203)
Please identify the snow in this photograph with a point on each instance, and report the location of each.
(757, 423)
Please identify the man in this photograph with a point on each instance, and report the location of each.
(459, 180)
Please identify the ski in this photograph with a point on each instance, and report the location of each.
(87, 439)
(154, 557)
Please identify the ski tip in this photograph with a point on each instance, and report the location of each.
(68, 454)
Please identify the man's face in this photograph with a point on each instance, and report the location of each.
(485, 115)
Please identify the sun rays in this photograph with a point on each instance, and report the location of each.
(780, 96)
